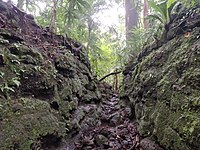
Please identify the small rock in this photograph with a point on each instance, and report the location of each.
(120, 127)
(88, 140)
(125, 142)
(111, 144)
(105, 132)
(16, 107)
(100, 139)
(118, 146)
(148, 144)
(112, 139)
(88, 148)
(116, 119)
(130, 143)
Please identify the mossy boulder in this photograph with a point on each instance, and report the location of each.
(24, 120)
(163, 85)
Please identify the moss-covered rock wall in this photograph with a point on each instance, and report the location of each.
(163, 85)
(44, 81)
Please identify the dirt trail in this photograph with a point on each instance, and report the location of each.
(115, 131)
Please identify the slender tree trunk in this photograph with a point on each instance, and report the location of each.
(145, 14)
(116, 81)
(96, 66)
(53, 17)
(89, 23)
(20, 4)
(9, 2)
(131, 17)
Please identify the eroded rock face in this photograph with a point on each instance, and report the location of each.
(163, 85)
(45, 82)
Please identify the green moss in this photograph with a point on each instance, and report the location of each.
(33, 120)
(188, 126)
(172, 140)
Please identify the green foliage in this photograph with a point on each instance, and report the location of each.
(103, 58)
(30, 5)
(5, 88)
(77, 19)
(70, 16)
(135, 44)
(162, 10)
(8, 86)
(160, 15)
(190, 3)
(9, 74)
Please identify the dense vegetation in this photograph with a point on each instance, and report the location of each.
(109, 46)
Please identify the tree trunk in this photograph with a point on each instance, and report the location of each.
(9, 2)
(116, 81)
(53, 17)
(145, 14)
(89, 26)
(131, 17)
(20, 4)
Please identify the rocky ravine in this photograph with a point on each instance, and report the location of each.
(163, 86)
(49, 99)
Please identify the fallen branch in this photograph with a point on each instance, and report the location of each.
(113, 73)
